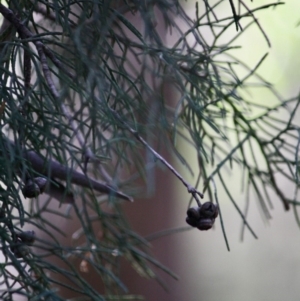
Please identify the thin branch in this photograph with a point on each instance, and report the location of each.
(189, 187)
(236, 206)
(56, 170)
(220, 213)
(235, 16)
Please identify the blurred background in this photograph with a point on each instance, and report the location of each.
(264, 269)
(267, 268)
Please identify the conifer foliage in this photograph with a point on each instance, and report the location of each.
(91, 93)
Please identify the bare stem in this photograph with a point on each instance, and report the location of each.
(189, 187)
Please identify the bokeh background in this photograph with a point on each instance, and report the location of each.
(266, 269)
